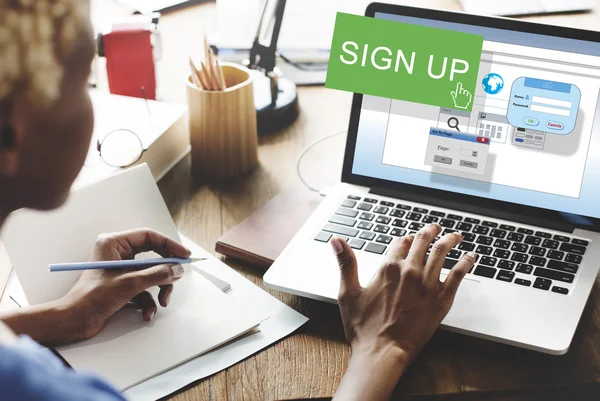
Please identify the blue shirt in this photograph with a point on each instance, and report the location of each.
(29, 372)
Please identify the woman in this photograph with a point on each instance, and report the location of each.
(46, 124)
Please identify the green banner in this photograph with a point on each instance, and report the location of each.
(404, 61)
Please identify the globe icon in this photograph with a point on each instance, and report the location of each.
(492, 83)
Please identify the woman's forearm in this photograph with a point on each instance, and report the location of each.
(48, 324)
(372, 374)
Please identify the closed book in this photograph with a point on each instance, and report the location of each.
(260, 238)
(161, 126)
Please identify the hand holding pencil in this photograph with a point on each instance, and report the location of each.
(210, 77)
(98, 294)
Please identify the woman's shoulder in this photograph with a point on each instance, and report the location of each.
(31, 372)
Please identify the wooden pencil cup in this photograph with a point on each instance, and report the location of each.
(223, 131)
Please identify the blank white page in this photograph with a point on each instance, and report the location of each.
(128, 351)
(34, 239)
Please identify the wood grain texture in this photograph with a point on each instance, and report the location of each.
(310, 364)
(223, 131)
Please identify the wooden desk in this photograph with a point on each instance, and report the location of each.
(311, 363)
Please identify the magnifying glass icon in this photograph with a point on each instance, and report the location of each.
(453, 123)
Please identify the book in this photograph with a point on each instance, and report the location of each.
(260, 238)
(161, 126)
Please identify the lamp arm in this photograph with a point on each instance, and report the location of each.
(264, 48)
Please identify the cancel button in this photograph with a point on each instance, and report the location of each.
(555, 125)
(466, 163)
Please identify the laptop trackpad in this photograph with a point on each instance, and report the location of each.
(462, 310)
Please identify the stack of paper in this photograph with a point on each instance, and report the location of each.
(161, 127)
(129, 351)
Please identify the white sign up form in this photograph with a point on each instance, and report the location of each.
(457, 151)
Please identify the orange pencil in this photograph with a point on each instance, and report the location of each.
(207, 77)
(195, 77)
(220, 75)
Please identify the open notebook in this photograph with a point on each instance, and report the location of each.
(129, 350)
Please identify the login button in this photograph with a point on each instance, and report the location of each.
(556, 126)
(531, 121)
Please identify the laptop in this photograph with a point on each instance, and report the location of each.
(518, 176)
(525, 7)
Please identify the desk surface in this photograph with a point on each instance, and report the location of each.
(311, 363)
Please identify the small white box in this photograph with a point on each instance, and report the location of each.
(457, 151)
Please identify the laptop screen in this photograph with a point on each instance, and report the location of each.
(532, 137)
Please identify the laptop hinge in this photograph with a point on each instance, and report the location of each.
(551, 223)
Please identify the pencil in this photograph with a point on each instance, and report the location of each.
(203, 80)
(206, 72)
(121, 264)
(220, 74)
(198, 76)
(209, 58)
(194, 75)
(213, 70)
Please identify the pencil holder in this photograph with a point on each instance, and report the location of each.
(223, 131)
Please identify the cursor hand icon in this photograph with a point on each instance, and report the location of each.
(462, 98)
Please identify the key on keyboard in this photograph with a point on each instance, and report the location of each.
(375, 248)
(345, 221)
(337, 229)
(367, 235)
(363, 225)
(356, 243)
(383, 220)
(381, 210)
(349, 203)
(365, 206)
(505, 275)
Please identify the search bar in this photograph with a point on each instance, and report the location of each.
(551, 102)
(551, 110)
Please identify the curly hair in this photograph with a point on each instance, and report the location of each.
(36, 37)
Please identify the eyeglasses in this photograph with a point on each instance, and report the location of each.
(119, 148)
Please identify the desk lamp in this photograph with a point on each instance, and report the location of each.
(275, 97)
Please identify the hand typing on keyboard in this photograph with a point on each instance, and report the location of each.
(388, 322)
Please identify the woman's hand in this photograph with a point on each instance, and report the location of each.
(388, 322)
(99, 294)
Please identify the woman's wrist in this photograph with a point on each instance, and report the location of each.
(51, 323)
(382, 356)
(373, 371)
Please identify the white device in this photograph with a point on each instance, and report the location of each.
(531, 212)
(525, 7)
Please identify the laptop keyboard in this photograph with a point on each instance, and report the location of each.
(505, 252)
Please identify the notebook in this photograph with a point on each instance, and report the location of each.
(260, 238)
(129, 350)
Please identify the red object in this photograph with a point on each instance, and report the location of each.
(482, 139)
(130, 63)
